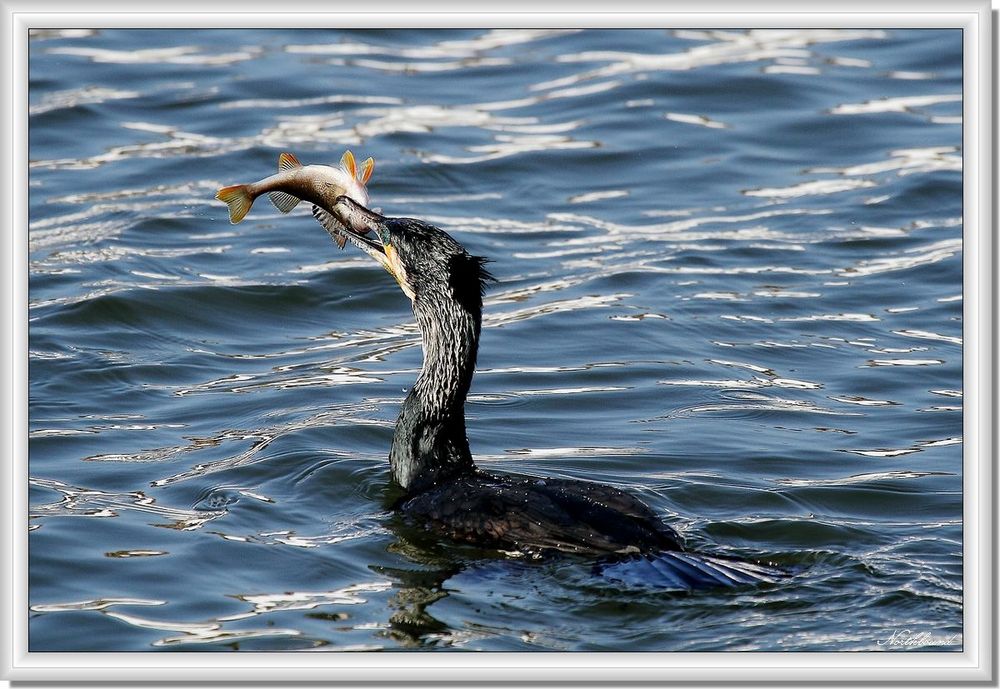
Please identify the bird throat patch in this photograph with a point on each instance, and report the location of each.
(395, 268)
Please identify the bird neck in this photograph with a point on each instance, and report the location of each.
(430, 443)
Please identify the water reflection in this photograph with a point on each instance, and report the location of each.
(72, 98)
(230, 629)
(260, 440)
(451, 48)
(818, 187)
(265, 603)
(700, 120)
(98, 604)
(177, 55)
(410, 624)
(89, 502)
(898, 452)
(722, 47)
(901, 104)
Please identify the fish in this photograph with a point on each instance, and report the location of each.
(295, 182)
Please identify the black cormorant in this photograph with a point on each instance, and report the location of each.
(442, 488)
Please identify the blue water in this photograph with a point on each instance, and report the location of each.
(730, 281)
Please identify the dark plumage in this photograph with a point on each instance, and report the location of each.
(535, 515)
(442, 489)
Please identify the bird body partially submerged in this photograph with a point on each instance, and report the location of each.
(538, 515)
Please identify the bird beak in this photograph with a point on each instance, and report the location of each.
(349, 220)
(367, 231)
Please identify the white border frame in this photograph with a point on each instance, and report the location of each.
(975, 664)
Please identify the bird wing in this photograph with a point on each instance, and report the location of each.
(533, 515)
(687, 571)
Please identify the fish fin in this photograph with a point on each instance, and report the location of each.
(331, 225)
(287, 161)
(239, 200)
(283, 202)
(366, 170)
(347, 162)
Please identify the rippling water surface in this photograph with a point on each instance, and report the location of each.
(730, 280)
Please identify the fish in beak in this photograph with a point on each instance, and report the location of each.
(294, 182)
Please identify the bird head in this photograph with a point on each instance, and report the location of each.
(427, 262)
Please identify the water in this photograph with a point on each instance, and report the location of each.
(730, 280)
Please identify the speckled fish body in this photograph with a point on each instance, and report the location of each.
(294, 182)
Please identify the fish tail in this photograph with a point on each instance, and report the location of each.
(239, 200)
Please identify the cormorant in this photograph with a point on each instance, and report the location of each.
(442, 488)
